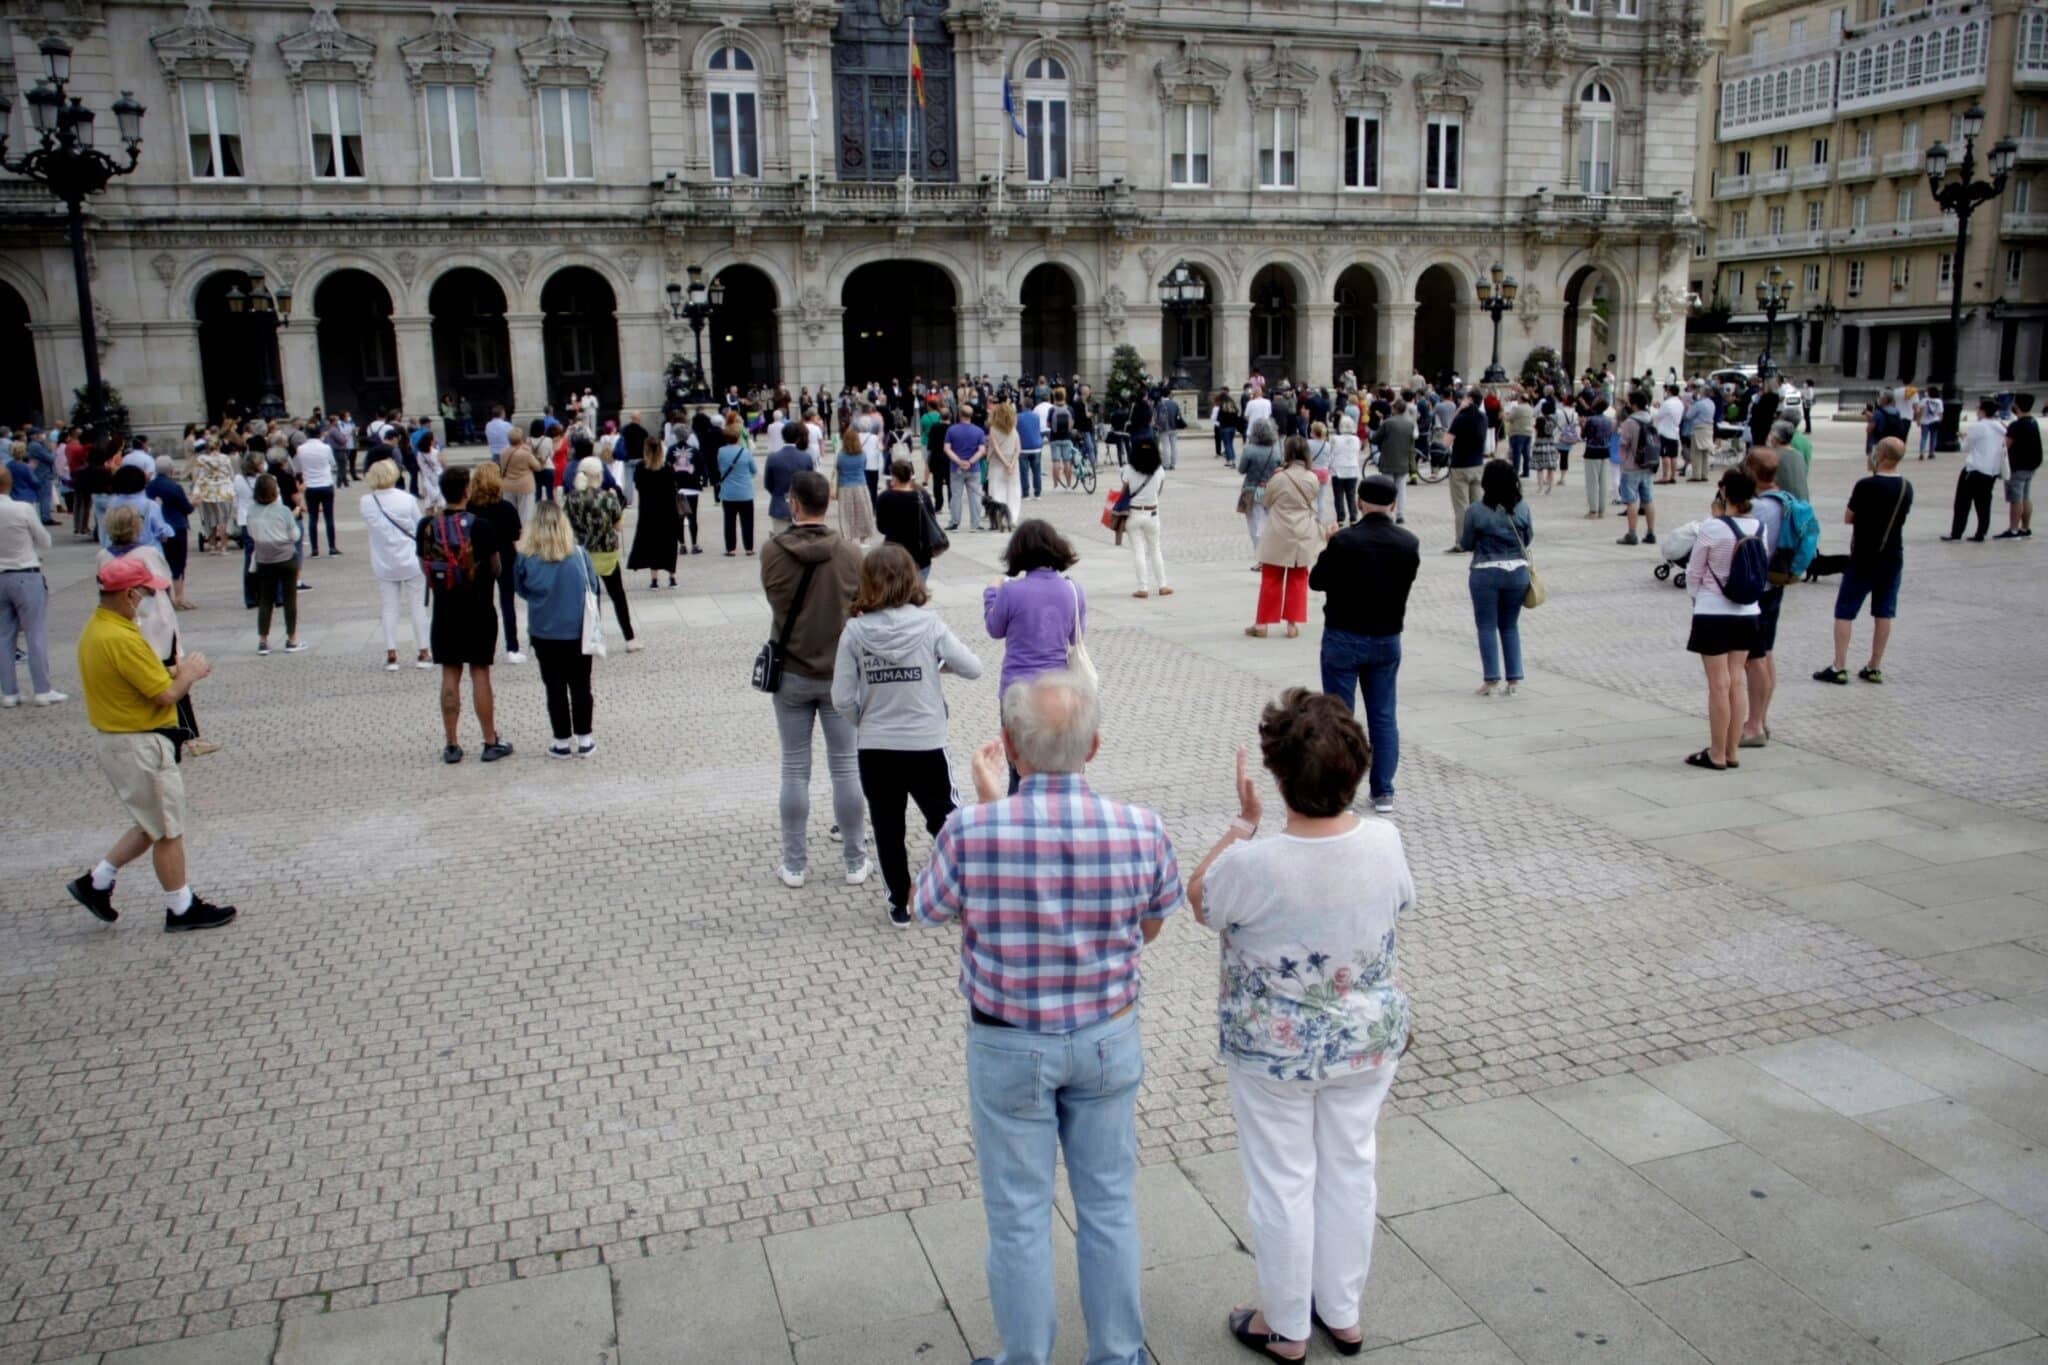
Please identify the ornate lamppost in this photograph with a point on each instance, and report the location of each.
(73, 169)
(1180, 292)
(259, 303)
(696, 304)
(1774, 296)
(1496, 294)
(1961, 196)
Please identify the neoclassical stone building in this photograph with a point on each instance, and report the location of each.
(491, 199)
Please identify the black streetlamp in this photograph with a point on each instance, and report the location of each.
(701, 302)
(1774, 296)
(1496, 294)
(73, 169)
(260, 305)
(1961, 196)
(1180, 292)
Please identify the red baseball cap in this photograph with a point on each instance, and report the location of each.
(129, 572)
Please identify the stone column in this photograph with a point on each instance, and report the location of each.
(641, 361)
(61, 367)
(298, 351)
(529, 362)
(1230, 343)
(1395, 346)
(413, 335)
(1319, 363)
(1094, 341)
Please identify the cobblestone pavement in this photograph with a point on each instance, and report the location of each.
(484, 1024)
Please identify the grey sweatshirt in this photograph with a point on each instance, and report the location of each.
(886, 678)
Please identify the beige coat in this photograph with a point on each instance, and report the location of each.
(1004, 448)
(1291, 538)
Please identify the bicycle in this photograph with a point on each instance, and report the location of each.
(1084, 468)
(1433, 465)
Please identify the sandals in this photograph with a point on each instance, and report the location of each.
(1141, 593)
(1259, 1343)
(1256, 632)
(1337, 1343)
(1705, 759)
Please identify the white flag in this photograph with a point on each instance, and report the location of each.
(811, 94)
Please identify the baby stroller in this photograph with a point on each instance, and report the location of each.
(1731, 443)
(1677, 547)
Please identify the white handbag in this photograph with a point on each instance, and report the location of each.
(593, 623)
(1077, 648)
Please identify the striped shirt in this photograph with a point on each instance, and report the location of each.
(1051, 888)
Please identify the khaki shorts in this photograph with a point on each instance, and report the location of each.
(144, 771)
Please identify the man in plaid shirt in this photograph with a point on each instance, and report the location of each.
(1057, 891)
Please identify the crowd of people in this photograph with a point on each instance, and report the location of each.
(1311, 1022)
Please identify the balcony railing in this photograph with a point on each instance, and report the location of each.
(1623, 209)
(1804, 177)
(2033, 148)
(1734, 186)
(1856, 168)
(1771, 182)
(1778, 244)
(719, 199)
(2023, 224)
(1912, 230)
(1906, 161)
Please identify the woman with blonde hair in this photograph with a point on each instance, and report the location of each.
(391, 517)
(553, 574)
(1004, 456)
(1288, 543)
(850, 488)
(734, 470)
(487, 501)
(594, 513)
(885, 682)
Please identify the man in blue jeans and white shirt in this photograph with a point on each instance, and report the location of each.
(1364, 574)
(1057, 891)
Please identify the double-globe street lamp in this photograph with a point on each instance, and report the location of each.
(1774, 296)
(1496, 294)
(258, 303)
(1181, 291)
(696, 303)
(1961, 196)
(73, 169)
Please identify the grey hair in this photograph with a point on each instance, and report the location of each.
(163, 465)
(1263, 433)
(1783, 431)
(1052, 720)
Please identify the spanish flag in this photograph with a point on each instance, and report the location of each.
(917, 71)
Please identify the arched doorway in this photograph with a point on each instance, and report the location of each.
(238, 362)
(21, 387)
(1436, 323)
(580, 337)
(1273, 309)
(472, 348)
(1354, 330)
(358, 352)
(1589, 302)
(899, 323)
(1188, 337)
(1051, 327)
(743, 345)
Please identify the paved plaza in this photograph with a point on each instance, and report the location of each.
(538, 1062)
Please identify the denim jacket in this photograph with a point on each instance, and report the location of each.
(1488, 535)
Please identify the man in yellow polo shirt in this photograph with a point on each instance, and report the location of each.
(132, 700)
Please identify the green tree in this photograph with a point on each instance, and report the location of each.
(1127, 377)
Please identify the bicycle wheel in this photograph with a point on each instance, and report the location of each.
(1435, 469)
(1084, 472)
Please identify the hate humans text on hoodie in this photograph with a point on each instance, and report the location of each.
(886, 678)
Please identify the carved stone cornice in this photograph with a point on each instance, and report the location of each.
(1282, 80)
(1365, 84)
(1193, 77)
(562, 55)
(323, 51)
(1447, 87)
(445, 53)
(200, 49)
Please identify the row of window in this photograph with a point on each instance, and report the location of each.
(1869, 73)
(1909, 141)
(1905, 205)
(1901, 274)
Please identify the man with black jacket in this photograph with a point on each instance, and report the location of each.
(1364, 574)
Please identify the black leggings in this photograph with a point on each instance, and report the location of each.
(318, 501)
(887, 778)
(740, 514)
(615, 588)
(1973, 490)
(507, 607)
(277, 583)
(686, 522)
(565, 672)
(1346, 493)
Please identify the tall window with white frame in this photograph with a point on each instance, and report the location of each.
(1187, 136)
(334, 128)
(1774, 219)
(1628, 9)
(732, 87)
(453, 149)
(1945, 269)
(1277, 130)
(1810, 278)
(1443, 155)
(213, 130)
(1813, 215)
(1361, 150)
(2015, 265)
(1045, 120)
(1596, 138)
(1855, 278)
(565, 133)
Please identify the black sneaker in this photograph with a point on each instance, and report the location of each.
(1831, 674)
(1650, 538)
(452, 754)
(199, 915)
(899, 915)
(1629, 539)
(101, 903)
(497, 749)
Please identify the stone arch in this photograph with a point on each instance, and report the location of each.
(1049, 320)
(579, 309)
(549, 266)
(1587, 336)
(430, 274)
(924, 254)
(1609, 76)
(1065, 53)
(309, 279)
(29, 287)
(760, 49)
(1386, 274)
(785, 285)
(184, 291)
(1085, 290)
(21, 381)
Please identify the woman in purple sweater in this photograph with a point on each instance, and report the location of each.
(1037, 612)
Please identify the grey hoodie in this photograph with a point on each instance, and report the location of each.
(886, 679)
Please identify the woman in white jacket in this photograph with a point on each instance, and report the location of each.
(392, 517)
(886, 681)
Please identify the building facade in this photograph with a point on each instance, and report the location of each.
(1825, 113)
(492, 200)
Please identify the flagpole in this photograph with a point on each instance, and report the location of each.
(811, 93)
(909, 97)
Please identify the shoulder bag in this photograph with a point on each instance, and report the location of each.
(1077, 648)
(1537, 594)
(593, 623)
(769, 662)
(936, 542)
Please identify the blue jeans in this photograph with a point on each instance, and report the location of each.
(1030, 477)
(1032, 1095)
(1228, 434)
(1497, 611)
(1375, 661)
(1518, 451)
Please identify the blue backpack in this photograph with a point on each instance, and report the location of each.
(1749, 568)
(1798, 538)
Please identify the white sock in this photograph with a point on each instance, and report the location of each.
(179, 901)
(103, 874)
(585, 739)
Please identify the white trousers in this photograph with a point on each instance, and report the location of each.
(1142, 529)
(1309, 1150)
(1006, 486)
(411, 592)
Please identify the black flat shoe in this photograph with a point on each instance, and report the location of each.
(1705, 759)
(452, 754)
(1337, 1343)
(1259, 1343)
(101, 903)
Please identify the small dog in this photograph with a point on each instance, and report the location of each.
(997, 514)
(1825, 566)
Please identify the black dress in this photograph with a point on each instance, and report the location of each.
(654, 535)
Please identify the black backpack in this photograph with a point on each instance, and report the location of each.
(1749, 567)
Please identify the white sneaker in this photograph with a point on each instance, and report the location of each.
(855, 876)
(515, 657)
(635, 646)
(9, 701)
(423, 663)
(1383, 805)
(391, 665)
(789, 879)
(51, 698)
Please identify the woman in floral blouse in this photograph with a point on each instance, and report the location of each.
(1312, 1024)
(213, 488)
(595, 513)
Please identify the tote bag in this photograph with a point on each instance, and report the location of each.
(1077, 648)
(593, 623)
